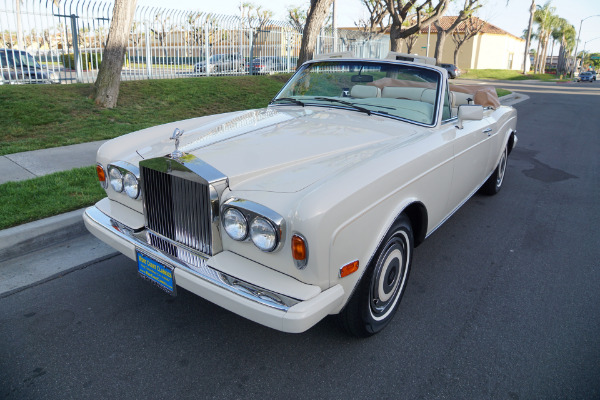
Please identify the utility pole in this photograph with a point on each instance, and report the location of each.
(334, 24)
(579, 35)
(19, 26)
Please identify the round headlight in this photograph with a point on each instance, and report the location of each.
(263, 234)
(235, 224)
(116, 179)
(130, 184)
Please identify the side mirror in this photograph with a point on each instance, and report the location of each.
(469, 113)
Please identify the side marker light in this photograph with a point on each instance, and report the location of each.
(349, 269)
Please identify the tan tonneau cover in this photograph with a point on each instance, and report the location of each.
(484, 95)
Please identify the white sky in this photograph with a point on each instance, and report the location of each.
(512, 17)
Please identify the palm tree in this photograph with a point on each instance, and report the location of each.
(544, 17)
(551, 24)
(567, 44)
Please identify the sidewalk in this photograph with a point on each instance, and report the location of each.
(31, 164)
(42, 250)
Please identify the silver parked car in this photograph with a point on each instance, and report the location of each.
(587, 76)
(221, 63)
(453, 71)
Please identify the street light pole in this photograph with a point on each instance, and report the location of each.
(579, 35)
(583, 51)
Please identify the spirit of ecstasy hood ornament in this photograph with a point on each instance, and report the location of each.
(175, 136)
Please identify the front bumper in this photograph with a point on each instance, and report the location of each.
(263, 295)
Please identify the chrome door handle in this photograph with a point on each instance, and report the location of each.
(488, 131)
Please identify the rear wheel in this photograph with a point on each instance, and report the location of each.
(378, 294)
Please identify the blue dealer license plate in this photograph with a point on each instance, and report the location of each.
(156, 272)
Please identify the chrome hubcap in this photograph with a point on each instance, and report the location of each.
(389, 277)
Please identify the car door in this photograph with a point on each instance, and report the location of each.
(496, 142)
(471, 159)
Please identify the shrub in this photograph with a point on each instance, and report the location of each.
(88, 60)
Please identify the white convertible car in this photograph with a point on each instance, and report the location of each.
(313, 205)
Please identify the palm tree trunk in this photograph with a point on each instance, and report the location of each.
(552, 52)
(528, 42)
(544, 54)
(537, 54)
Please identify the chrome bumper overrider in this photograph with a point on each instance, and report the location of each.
(203, 271)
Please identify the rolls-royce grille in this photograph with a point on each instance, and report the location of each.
(177, 212)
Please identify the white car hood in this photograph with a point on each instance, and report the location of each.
(286, 149)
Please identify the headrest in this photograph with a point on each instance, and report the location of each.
(364, 91)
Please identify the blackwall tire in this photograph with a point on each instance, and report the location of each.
(380, 290)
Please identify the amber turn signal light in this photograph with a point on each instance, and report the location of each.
(349, 269)
(298, 248)
(101, 175)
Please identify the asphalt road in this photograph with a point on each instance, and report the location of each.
(502, 303)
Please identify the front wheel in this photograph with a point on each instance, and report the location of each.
(494, 182)
(378, 294)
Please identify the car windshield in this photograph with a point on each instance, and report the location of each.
(25, 60)
(18, 59)
(381, 88)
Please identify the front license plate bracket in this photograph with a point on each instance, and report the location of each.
(156, 272)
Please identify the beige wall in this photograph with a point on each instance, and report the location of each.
(485, 51)
(499, 51)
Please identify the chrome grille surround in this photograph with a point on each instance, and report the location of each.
(181, 207)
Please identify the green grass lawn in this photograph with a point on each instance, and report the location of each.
(41, 116)
(505, 74)
(48, 195)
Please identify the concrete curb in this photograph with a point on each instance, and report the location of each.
(513, 98)
(36, 235)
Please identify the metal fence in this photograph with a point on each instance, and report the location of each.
(62, 41)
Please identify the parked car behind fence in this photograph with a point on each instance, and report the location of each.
(18, 67)
(267, 65)
(220, 63)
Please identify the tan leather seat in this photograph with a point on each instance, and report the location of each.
(364, 91)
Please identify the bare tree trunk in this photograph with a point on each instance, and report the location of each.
(395, 40)
(439, 42)
(410, 42)
(399, 9)
(106, 88)
(456, 56)
(314, 22)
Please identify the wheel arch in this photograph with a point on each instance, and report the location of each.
(417, 214)
(511, 141)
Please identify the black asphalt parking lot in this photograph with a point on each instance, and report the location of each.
(502, 303)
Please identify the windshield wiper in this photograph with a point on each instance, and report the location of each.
(290, 99)
(346, 103)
